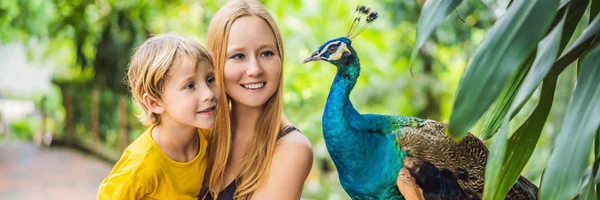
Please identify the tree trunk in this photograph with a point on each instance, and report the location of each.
(94, 117)
(68, 103)
(123, 136)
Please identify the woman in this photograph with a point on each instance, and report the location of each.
(257, 154)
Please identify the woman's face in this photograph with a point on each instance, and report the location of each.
(253, 65)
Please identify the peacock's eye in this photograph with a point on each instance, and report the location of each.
(332, 49)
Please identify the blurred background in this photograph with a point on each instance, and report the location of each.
(65, 114)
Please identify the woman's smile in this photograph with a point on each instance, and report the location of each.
(257, 86)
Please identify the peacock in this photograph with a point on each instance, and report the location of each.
(375, 154)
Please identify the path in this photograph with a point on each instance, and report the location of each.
(31, 172)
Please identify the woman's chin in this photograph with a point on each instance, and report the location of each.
(252, 101)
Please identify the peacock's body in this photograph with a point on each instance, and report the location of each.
(368, 150)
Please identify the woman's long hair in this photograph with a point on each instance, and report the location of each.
(257, 161)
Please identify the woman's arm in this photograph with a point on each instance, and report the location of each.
(291, 164)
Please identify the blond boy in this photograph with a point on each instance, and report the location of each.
(172, 80)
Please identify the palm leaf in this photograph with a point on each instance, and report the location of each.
(432, 15)
(580, 45)
(568, 160)
(587, 187)
(594, 9)
(576, 10)
(495, 115)
(506, 47)
(506, 162)
(597, 161)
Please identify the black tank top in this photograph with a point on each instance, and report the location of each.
(229, 191)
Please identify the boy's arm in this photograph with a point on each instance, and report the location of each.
(124, 185)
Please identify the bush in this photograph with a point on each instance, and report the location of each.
(23, 129)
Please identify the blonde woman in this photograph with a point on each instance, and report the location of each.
(257, 154)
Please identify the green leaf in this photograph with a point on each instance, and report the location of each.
(432, 15)
(494, 116)
(594, 9)
(596, 162)
(508, 159)
(492, 119)
(523, 141)
(509, 4)
(574, 15)
(579, 46)
(544, 60)
(568, 160)
(506, 46)
(563, 3)
(587, 187)
(493, 167)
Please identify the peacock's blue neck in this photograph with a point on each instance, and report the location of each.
(357, 143)
(338, 108)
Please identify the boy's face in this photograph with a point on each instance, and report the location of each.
(190, 95)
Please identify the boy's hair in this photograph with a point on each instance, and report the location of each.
(151, 64)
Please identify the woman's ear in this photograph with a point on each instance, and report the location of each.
(152, 104)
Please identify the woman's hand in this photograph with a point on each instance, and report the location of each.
(407, 184)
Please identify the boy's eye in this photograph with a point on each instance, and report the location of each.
(267, 54)
(190, 86)
(210, 80)
(238, 56)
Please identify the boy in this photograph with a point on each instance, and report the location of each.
(172, 80)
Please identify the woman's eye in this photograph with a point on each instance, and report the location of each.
(238, 56)
(210, 80)
(268, 54)
(190, 86)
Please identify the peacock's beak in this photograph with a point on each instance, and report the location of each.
(314, 57)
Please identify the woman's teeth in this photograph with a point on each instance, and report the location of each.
(254, 85)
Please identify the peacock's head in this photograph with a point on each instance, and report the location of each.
(336, 51)
(339, 50)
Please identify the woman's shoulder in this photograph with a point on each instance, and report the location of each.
(294, 147)
(292, 137)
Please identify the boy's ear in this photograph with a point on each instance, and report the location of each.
(152, 104)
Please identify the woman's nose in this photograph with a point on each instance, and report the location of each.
(254, 69)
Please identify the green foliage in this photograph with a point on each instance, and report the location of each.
(23, 129)
(521, 144)
(495, 114)
(483, 80)
(507, 45)
(434, 12)
(582, 118)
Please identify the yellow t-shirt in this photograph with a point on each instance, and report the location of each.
(146, 172)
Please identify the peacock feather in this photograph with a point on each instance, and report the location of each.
(369, 150)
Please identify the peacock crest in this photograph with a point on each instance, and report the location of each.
(363, 16)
